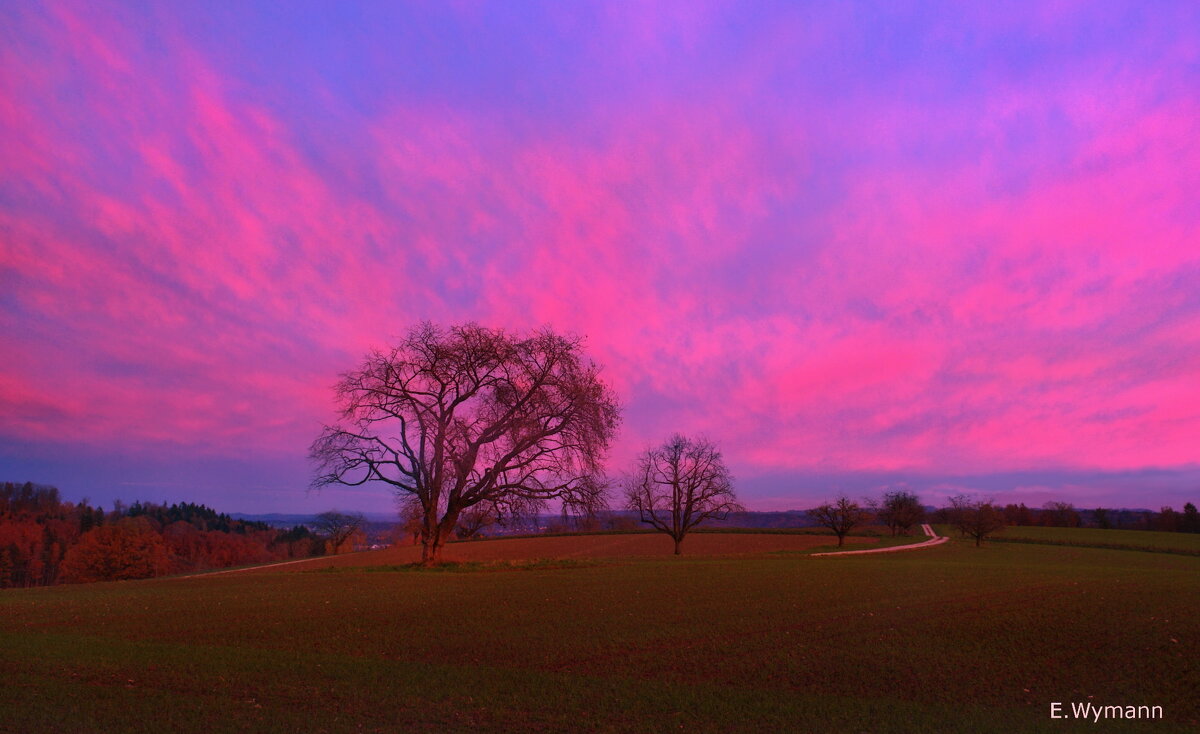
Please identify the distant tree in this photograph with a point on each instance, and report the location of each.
(621, 523)
(1190, 522)
(522, 514)
(29, 499)
(128, 549)
(338, 528)
(1167, 520)
(300, 542)
(469, 415)
(680, 484)
(585, 521)
(1060, 515)
(412, 519)
(975, 518)
(841, 517)
(474, 521)
(1018, 514)
(900, 510)
(186, 544)
(1100, 517)
(8, 562)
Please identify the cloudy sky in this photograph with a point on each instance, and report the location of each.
(856, 245)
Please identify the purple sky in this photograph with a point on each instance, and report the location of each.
(856, 246)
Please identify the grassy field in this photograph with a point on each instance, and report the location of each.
(614, 545)
(951, 638)
(1144, 540)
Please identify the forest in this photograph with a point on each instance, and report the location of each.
(45, 540)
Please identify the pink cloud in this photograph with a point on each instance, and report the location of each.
(853, 283)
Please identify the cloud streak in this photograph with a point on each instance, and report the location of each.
(842, 244)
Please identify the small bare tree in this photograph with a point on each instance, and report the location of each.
(338, 527)
(900, 510)
(412, 517)
(975, 518)
(679, 485)
(1060, 515)
(468, 415)
(521, 515)
(472, 522)
(841, 517)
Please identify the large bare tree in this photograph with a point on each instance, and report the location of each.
(679, 485)
(466, 415)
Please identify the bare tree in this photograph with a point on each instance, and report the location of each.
(1060, 515)
(466, 415)
(679, 485)
(523, 514)
(1167, 520)
(975, 518)
(900, 510)
(473, 521)
(841, 517)
(338, 527)
(412, 518)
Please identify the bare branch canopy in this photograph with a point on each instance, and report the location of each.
(679, 485)
(467, 415)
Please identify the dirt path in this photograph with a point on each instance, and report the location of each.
(934, 539)
(255, 568)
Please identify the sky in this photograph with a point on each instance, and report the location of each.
(952, 247)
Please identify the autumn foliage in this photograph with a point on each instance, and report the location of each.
(44, 540)
(129, 549)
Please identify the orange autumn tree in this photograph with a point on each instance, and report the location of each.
(129, 549)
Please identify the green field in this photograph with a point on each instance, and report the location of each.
(1144, 540)
(952, 638)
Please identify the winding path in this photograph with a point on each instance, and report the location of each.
(258, 567)
(934, 539)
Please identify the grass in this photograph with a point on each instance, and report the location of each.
(1139, 540)
(536, 564)
(863, 531)
(950, 638)
(867, 531)
(884, 541)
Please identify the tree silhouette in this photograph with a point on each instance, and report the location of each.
(679, 485)
(841, 517)
(468, 415)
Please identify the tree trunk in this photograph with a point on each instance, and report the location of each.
(678, 543)
(978, 540)
(841, 539)
(431, 549)
(431, 545)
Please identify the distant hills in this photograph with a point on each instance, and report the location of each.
(284, 519)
